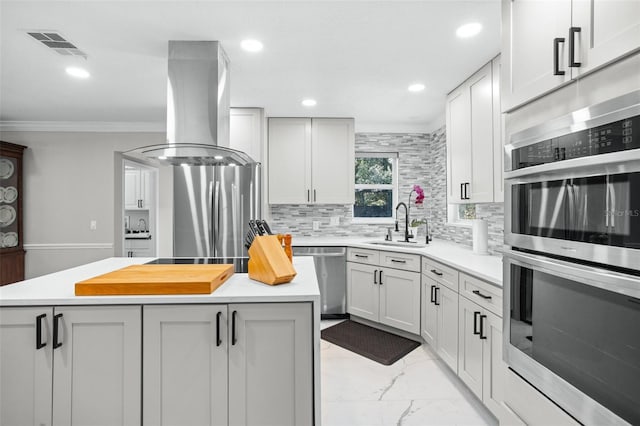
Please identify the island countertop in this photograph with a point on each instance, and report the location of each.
(59, 288)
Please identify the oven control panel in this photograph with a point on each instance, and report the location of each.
(612, 137)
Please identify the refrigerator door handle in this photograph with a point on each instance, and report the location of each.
(217, 217)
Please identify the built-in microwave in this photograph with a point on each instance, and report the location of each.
(573, 331)
(572, 185)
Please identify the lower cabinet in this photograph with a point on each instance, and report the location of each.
(480, 364)
(239, 364)
(385, 295)
(70, 365)
(439, 324)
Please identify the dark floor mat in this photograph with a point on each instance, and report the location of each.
(377, 345)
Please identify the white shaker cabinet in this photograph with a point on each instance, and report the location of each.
(185, 373)
(546, 44)
(237, 364)
(388, 295)
(87, 372)
(246, 131)
(26, 366)
(473, 139)
(311, 160)
(270, 364)
(137, 188)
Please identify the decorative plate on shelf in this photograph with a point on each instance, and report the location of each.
(10, 194)
(6, 168)
(10, 239)
(7, 215)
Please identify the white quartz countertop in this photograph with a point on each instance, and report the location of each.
(460, 257)
(59, 288)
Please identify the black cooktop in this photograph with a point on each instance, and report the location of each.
(240, 264)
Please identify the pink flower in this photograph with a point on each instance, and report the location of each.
(419, 194)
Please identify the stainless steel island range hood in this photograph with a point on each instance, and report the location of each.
(198, 108)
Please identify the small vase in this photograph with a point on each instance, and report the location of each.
(413, 230)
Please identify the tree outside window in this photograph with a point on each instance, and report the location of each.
(375, 185)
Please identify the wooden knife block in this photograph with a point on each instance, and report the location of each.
(268, 262)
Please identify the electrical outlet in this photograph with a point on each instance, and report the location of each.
(93, 225)
(316, 225)
(335, 221)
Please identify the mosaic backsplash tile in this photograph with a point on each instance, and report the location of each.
(421, 160)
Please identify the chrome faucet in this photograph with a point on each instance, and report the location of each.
(406, 221)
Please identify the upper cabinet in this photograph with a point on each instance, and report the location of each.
(137, 188)
(474, 144)
(548, 44)
(311, 160)
(246, 131)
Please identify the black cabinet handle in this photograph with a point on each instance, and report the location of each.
(556, 55)
(233, 327)
(314, 195)
(398, 261)
(436, 296)
(572, 46)
(477, 293)
(375, 276)
(361, 255)
(39, 343)
(380, 277)
(218, 339)
(308, 195)
(56, 327)
(476, 314)
(462, 191)
(482, 335)
(466, 191)
(433, 300)
(436, 272)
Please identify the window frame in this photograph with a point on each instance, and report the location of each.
(393, 186)
(453, 216)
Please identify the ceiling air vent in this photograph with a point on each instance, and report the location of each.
(53, 40)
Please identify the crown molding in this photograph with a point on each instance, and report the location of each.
(83, 126)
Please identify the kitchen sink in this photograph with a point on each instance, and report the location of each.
(398, 244)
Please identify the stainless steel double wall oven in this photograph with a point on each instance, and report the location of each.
(572, 273)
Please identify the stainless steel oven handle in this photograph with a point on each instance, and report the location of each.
(596, 277)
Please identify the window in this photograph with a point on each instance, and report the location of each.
(461, 214)
(376, 186)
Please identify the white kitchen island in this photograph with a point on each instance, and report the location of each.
(248, 353)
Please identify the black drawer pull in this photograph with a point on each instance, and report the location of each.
(433, 297)
(375, 276)
(398, 261)
(218, 339)
(234, 340)
(477, 293)
(39, 343)
(364, 256)
(56, 331)
(436, 296)
(482, 335)
(437, 273)
(380, 277)
(476, 314)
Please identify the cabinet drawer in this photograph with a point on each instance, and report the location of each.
(443, 274)
(370, 257)
(406, 262)
(484, 294)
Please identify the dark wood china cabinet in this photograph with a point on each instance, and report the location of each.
(11, 249)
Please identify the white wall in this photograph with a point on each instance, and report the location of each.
(69, 180)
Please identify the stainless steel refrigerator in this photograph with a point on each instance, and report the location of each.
(212, 208)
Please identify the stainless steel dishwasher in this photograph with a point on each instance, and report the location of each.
(331, 271)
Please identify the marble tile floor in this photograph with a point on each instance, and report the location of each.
(418, 390)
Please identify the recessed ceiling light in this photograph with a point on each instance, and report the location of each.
(77, 72)
(251, 45)
(309, 102)
(162, 157)
(417, 87)
(469, 30)
(218, 157)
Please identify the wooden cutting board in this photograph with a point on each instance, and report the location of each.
(157, 279)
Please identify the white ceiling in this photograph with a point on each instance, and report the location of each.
(355, 57)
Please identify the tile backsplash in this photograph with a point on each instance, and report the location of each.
(422, 161)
